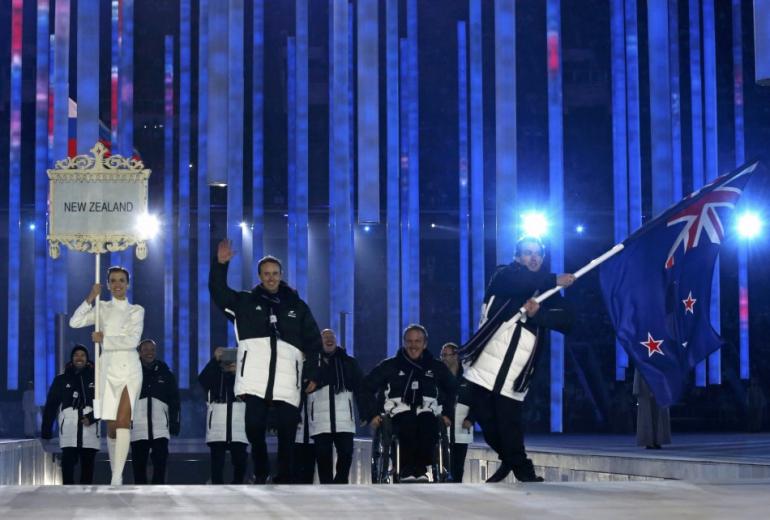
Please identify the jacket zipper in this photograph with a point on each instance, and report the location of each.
(296, 371)
(350, 406)
(243, 362)
(312, 411)
(211, 413)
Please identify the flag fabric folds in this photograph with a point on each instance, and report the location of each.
(658, 288)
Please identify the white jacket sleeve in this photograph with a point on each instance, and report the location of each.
(83, 316)
(130, 334)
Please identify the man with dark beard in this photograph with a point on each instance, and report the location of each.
(71, 398)
(417, 388)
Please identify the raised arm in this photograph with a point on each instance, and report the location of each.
(224, 297)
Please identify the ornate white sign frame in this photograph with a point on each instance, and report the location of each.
(98, 167)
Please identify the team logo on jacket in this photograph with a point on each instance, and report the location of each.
(429, 373)
(259, 307)
(292, 314)
(401, 373)
(67, 385)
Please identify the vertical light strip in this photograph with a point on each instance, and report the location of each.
(660, 107)
(234, 140)
(115, 258)
(634, 117)
(413, 216)
(506, 151)
(51, 285)
(463, 191)
(301, 149)
(169, 265)
(339, 177)
(114, 68)
(393, 166)
(41, 325)
(476, 92)
(88, 75)
(14, 197)
(125, 139)
(258, 137)
(291, 174)
(556, 192)
(619, 147)
(217, 102)
(696, 103)
(183, 238)
(711, 162)
(740, 158)
(368, 112)
(350, 260)
(125, 144)
(404, 178)
(61, 130)
(203, 205)
(676, 109)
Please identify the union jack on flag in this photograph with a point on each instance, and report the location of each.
(658, 288)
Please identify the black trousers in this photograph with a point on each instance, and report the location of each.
(286, 418)
(417, 436)
(70, 458)
(500, 420)
(343, 442)
(304, 463)
(457, 461)
(157, 450)
(237, 457)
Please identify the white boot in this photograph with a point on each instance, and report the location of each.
(122, 443)
(111, 450)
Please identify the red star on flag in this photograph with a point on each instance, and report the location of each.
(652, 345)
(689, 304)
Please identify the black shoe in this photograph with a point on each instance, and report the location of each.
(500, 474)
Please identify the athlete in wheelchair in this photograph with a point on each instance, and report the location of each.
(411, 400)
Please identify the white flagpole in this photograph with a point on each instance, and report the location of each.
(97, 347)
(580, 272)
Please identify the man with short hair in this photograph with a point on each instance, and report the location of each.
(278, 348)
(156, 417)
(417, 388)
(500, 358)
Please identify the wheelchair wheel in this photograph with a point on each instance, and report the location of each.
(382, 444)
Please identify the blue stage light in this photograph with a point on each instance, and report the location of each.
(749, 225)
(534, 224)
(367, 228)
(579, 229)
(32, 227)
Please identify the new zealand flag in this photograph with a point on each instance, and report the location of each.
(658, 288)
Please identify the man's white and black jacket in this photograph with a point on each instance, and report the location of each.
(70, 399)
(330, 406)
(501, 356)
(226, 414)
(157, 411)
(278, 338)
(425, 385)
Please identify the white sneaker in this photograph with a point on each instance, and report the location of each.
(422, 478)
(408, 478)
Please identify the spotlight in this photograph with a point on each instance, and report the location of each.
(367, 228)
(579, 229)
(147, 226)
(749, 225)
(32, 227)
(243, 225)
(433, 225)
(534, 224)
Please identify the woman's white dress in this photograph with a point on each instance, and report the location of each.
(122, 324)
